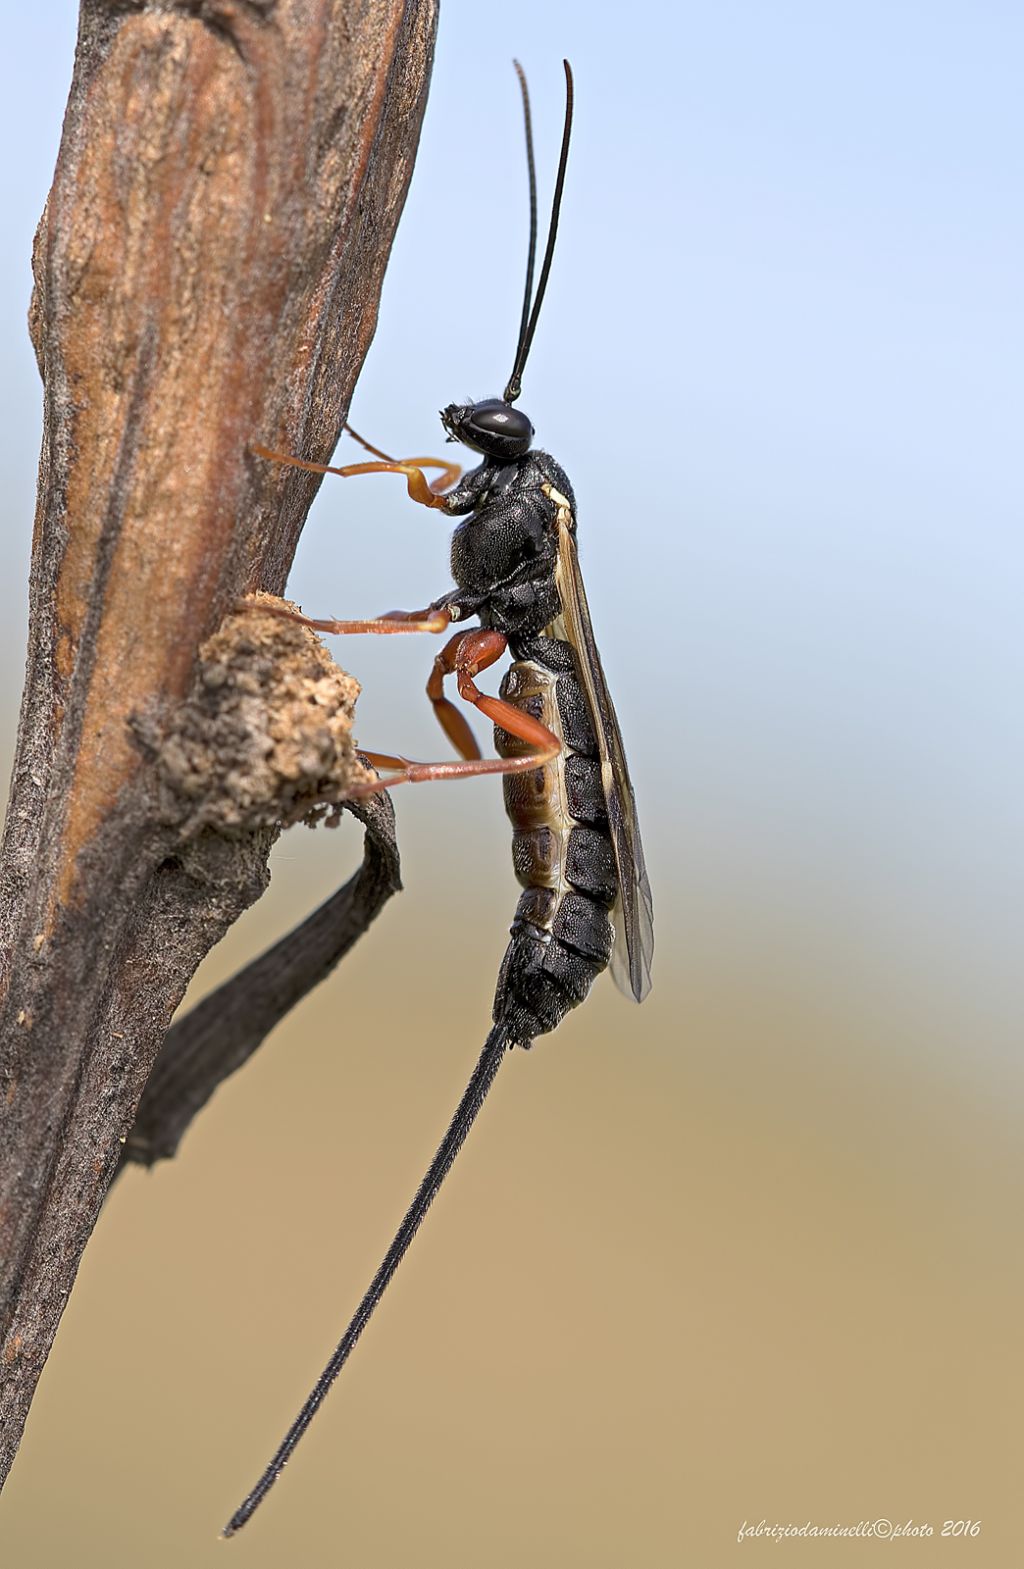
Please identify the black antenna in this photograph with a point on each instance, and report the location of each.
(514, 388)
(468, 1107)
(531, 170)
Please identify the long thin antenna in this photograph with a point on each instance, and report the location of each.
(531, 170)
(514, 388)
(466, 1114)
(364, 443)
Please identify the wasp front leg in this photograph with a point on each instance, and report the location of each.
(449, 471)
(427, 492)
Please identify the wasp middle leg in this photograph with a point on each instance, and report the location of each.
(436, 618)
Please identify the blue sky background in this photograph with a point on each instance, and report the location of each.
(781, 359)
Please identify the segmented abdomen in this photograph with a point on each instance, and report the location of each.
(561, 850)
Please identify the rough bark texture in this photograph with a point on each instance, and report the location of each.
(207, 274)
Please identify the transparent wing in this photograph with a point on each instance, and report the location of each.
(634, 912)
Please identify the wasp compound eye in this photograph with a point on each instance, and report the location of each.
(492, 427)
(495, 418)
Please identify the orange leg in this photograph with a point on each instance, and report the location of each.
(420, 488)
(390, 621)
(382, 759)
(452, 721)
(451, 471)
(465, 656)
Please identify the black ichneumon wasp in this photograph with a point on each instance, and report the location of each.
(576, 843)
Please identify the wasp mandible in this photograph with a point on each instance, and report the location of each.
(576, 848)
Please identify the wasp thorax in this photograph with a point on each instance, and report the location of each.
(492, 427)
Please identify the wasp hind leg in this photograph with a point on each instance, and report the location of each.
(464, 657)
(451, 719)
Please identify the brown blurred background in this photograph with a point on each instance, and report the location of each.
(735, 1256)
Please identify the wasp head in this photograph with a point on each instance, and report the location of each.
(492, 427)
